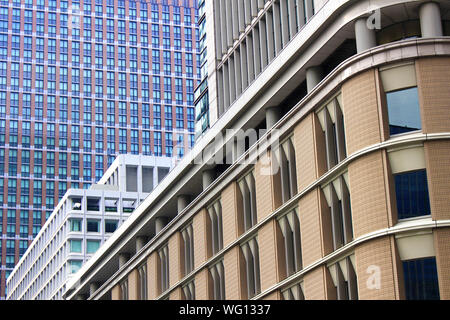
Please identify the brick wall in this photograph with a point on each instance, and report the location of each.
(133, 286)
(200, 239)
(232, 274)
(362, 125)
(175, 271)
(153, 283)
(202, 285)
(437, 157)
(229, 217)
(368, 193)
(268, 255)
(433, 80)
(442, 250)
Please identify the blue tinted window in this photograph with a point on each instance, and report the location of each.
(421, 279)
(403, 111)
(411, 190)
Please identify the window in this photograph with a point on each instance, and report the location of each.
(331, 119)
(110, 226)
(188, 248)
(250, 251)
(285, 169)
(247, 198)
(411, 190)
(75, 225)
(215, 219)
(75, 246)
(338, 198)
(142, 283)
(344, 278)
(217, 274)
(92, 246)
(124, 290)
(293, 293)
(421, 279)
(93, 226)
(163, 266)
(402, 99)
(189, 291)
(290, 228)
(74, 266)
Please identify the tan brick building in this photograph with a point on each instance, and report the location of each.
(352, 203)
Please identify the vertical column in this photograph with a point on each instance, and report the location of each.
(248, 13)
(182, 202)
(365, 37)
(273, 115)
(250, 58)
(220, 93)
(223, 26)
(140, 243)
(270, 36)
(263, 42)
(284, 22)
(229, 23)
(277, 27)
(232, 79)
(430, 20)
(241, 13)
(123, 258)
(313, 77)
(235, 17)
(238, 71)
(207, 178)
(93, 286)
(301, 13)
(309, 9)
(218, 29)
(160, 223)
(254, 8)
(256, 50)
(244, 65)
(226, 86)
(292, 18)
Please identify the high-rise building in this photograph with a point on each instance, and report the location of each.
(81, 222)
(82, 81)
(342, 194)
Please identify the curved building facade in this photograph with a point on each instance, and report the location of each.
(342, 194)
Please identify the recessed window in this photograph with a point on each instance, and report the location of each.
(217, 275)
(421, 279)
(92, 246)
(75, 225)
(188, 249)
(403, 111)
(250, 250)
(215, 220)
(75, 246)
(411, 189)
(189, 291)
(93, 226)
(247, 199)
(74, 266)
(293, 293)
(110, 226)
(344, 278)
(290, 229)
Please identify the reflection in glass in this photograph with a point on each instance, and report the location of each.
(403, 111)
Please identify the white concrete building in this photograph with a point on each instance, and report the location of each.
(81, 222)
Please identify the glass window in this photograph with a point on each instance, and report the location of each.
(75, 246)
(74, 266)
(75, 225)
(411, 190)
(110, 226)
(421, 279)
(92, 246)
(93, 226)
(403, 111)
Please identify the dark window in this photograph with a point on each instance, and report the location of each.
(403, 111)
(110, 226)
(411, 190)
(421, 279)
(92, 226)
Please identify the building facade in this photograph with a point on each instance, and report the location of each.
(343, 195)
(81, 222)
(82, 81)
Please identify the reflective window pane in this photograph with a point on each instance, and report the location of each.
(403, 111)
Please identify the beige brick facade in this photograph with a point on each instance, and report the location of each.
(373, 258)
(433, 76)
(442, 250)
(202, 285)
(362, 125)
(305, 152)
(232, 268)
(264, 190)
(315, 284)
(153, 282)
(268, 255)
(229, 214)
(133, 286)
(437, 156)
(200, 238)
(368, 194)
(115, 293)
(175, 261)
